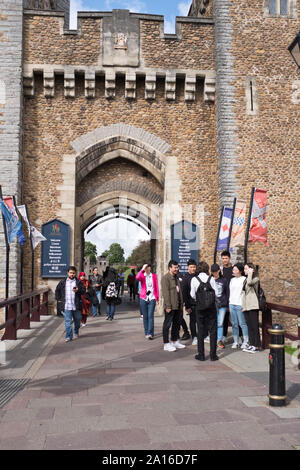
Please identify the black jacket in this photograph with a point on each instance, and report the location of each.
(60, 294)
(222, 294)
(186, 290)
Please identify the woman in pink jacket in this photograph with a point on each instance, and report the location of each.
(149, 296)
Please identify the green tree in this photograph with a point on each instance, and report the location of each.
(90, 251)
(140, 255)
(115, 254)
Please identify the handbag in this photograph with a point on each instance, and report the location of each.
(118, 301)
(262, 301)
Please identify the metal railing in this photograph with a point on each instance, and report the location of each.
(267, 323)
(22, 309)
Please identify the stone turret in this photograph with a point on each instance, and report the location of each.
(11, 51)
(198, 8)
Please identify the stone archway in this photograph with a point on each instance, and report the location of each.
(134, 147)
(140, 186)
(133, 207)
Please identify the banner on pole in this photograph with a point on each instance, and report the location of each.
(9, 201)
(12, 221)
(224, 229)
(36, 236)
(238, 225)
(258, 229)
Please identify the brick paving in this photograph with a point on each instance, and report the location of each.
(113, 389)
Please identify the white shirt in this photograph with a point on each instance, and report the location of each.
(149, 287)
(235, 290)
(204, 278)
(70, 295)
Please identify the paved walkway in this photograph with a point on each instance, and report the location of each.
(113, 389)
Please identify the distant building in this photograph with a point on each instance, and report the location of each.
(101, 264)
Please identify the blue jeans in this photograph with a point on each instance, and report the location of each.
(147, 310)
(110, 310)
(69, 315)
(238, 319)
(95, 307)
(221, 315)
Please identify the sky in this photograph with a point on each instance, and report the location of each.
(127, 234)
(168, 8)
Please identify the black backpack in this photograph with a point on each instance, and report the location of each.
(205, 295)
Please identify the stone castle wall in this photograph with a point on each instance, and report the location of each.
(268, 144)
(75, 83)
(181, 116)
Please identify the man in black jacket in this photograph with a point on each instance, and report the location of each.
(68, 294)
(189, 303)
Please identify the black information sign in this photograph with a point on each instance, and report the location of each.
(56, 250)
(185, 243)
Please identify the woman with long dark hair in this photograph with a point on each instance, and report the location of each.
(149, 297)
(235, 306)
(111, 285)
(222, 297)
(250, 307)
(85, 299)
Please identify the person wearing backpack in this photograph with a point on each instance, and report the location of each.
(111, 285)
(235, 306)
(250, 306)
(203, 292)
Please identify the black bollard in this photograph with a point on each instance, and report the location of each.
(277, 394)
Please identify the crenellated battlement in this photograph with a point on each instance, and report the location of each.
(108, 78)
(118, 39)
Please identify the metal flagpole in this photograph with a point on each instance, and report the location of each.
(32, 252)
(220, 223)
(22, 252)
(248, 226)
(232, 217)
(7, 257)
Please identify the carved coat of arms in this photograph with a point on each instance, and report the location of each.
(121, 41)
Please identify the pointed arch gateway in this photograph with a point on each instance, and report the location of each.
(136, 191)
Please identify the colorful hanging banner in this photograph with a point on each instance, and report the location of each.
(12, 221)
(224, 232)
(36, 236)
(258, 229)
(238, 225)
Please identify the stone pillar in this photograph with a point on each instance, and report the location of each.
(11, 47)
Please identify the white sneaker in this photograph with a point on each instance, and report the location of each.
(245, 346)
(169, 347)
(251, 349)
(195, 341)
(76, 336)
(235, 346)
(178, 345)
(206, 339)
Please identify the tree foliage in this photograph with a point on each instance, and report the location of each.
(115, 254)
(141, 254)
(90, 251)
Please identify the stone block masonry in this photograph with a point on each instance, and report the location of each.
(267, 145)
(11, 51)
